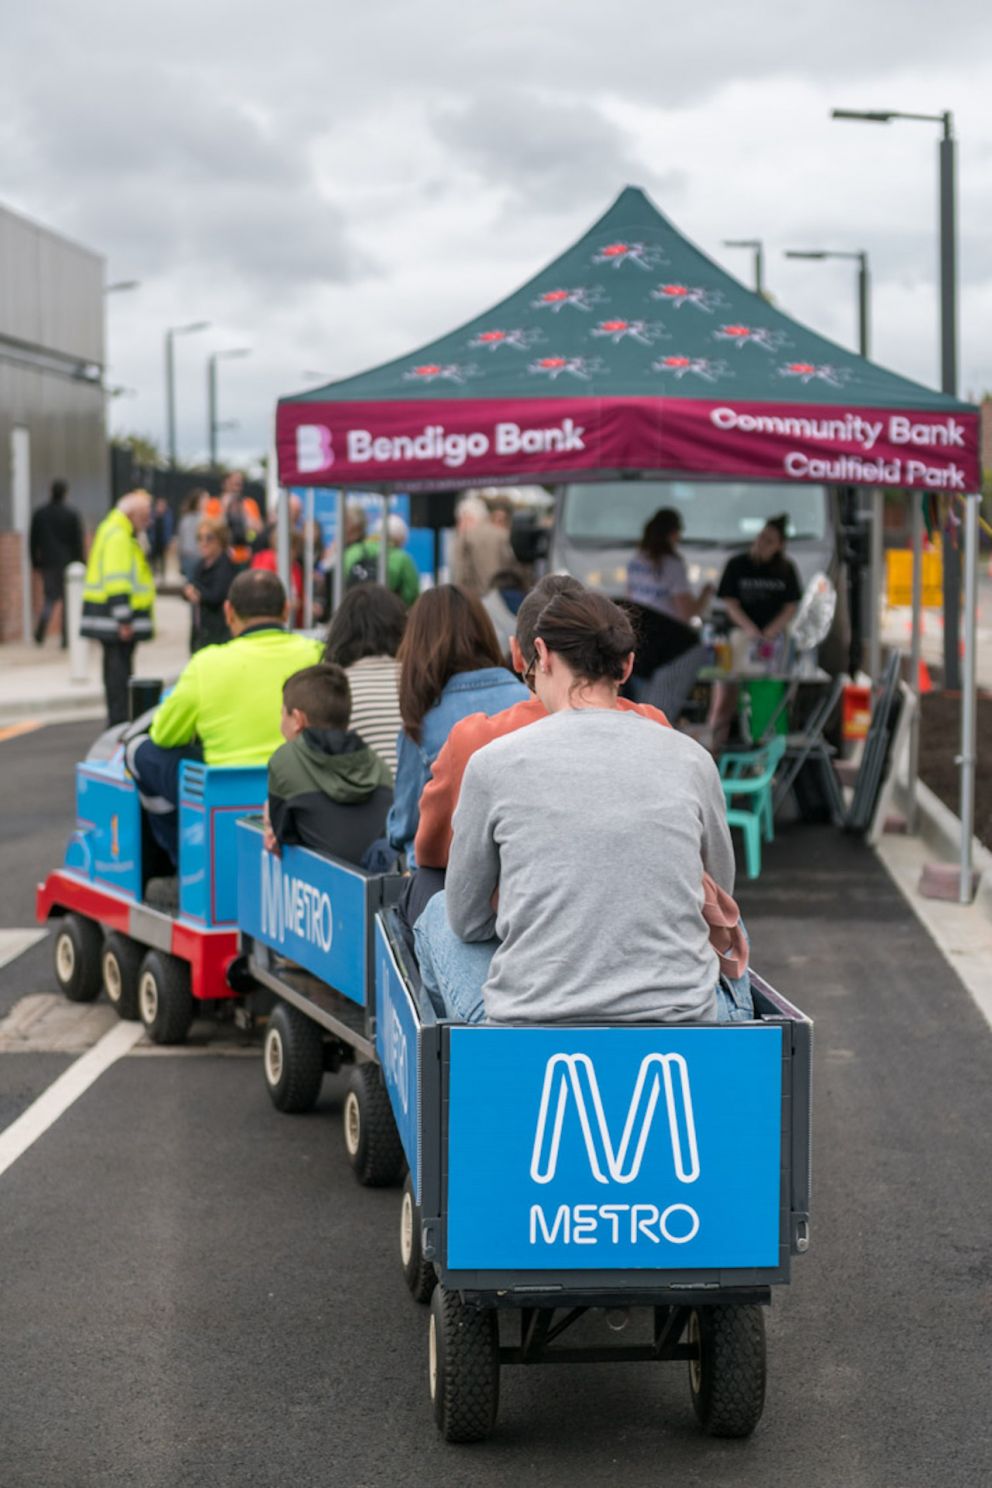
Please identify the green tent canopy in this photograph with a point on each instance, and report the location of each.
(631, 353)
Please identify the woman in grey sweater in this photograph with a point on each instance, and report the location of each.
(589, 831)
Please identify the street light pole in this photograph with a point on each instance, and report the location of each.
(758, 249)
(170, 382)
(947, 152)
(863, 284)
(213, 424)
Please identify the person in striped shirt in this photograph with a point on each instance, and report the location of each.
(364, 637)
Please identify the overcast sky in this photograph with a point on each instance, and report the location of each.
(332, 185)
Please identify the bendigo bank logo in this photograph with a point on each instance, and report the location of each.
(313, 448)
(570, 1082)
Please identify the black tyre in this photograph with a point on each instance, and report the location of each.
(292, 1059)
(370, 1136)
(419, 1274)
(76, 947)
(727, 1379)
(119, 967)
(165, 1001)
(463, 1367)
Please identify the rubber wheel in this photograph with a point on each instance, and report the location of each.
(370, 1136)
(119, 967)
(165, 1001)
(420, 1276)
(292, 1059)
(727, 1380)
(463, 1367)
(76, 950)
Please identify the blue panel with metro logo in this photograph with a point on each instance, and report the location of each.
(396, 1045)
(614, 1148)
(309, 908)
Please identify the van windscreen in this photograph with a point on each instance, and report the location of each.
(613, 513)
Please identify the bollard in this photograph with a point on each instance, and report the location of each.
(79, 646)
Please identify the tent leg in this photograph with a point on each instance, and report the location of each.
(877, 560)
(283, 557)
(338, 595)
(969, 699)
(915, 656)
(308, 524)
(384, 543)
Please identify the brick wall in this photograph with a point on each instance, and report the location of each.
(11, 626)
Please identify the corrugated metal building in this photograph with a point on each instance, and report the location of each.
(52, 403)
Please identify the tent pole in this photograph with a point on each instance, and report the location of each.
(384, 542)
(968, 698)
(875, 580)
(277, 505)
(282, 545)
(339, 550)
(308, 560)
(916, 507)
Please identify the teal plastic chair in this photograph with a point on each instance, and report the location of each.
(749, 773)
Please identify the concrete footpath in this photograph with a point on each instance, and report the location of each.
(35, 685)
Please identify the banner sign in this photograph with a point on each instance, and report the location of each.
(470, 441)
(614, 1148)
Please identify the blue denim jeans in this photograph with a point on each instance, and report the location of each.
(454, 971)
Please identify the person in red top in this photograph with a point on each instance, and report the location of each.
(440, 795)
(268, 559)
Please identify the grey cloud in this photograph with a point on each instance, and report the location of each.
(547, 154)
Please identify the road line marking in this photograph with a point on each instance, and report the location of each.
(14, 943)
(60, 1095)
(14, 730)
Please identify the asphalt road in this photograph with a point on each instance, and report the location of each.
(196, 1292)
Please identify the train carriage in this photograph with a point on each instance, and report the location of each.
(639, 1188)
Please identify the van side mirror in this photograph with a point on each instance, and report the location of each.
(529, 538)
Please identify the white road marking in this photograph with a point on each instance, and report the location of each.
(14, 943)
(60, 1095)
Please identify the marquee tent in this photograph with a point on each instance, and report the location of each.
(635, 354)
(631, 353)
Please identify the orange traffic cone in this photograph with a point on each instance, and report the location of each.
(925, 683)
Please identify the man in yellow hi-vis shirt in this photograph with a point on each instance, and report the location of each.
(226, 706)
(119, 596)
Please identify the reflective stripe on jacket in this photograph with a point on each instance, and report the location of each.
(119, 588)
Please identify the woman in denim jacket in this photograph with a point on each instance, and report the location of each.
(450, 667)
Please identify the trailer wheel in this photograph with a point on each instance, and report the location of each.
(120, 965)
(293, 1059)
(420, 1276)
(370, 1136)
(463, 1367)
(727, 1377)
(165, 1001)
(76, 957)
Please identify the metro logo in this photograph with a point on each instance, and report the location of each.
(575, 1074)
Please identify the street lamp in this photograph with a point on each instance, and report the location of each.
(948, 345)
(213, 426)
(862, 262)
(170, 381)
(759, 259)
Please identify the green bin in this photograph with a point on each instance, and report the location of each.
(760, 697)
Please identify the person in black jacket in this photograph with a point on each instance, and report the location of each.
(327, 789)
(211, 579)
(56, 541)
